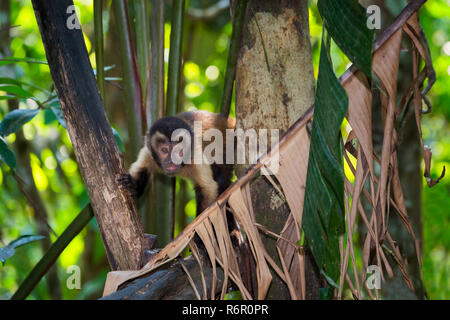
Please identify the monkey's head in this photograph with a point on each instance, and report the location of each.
(166, 144)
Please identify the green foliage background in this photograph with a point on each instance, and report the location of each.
(58, 180)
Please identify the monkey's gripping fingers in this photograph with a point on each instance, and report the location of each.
(128, 183)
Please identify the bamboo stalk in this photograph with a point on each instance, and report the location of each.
(235, 44)
(142, 34)
(156, 106)
(174, 78)
(131, 81)
(175, 56)
(99, 50)
(142, 40)
(161, 193)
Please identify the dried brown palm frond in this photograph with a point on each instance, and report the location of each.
(383, 193)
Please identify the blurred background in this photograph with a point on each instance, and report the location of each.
(55, 174)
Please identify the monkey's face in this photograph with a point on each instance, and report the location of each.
(169, 155)
(169, 140)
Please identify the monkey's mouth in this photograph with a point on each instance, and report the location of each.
(171, 169)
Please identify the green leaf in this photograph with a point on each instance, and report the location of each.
(17, 91)
(5, 253)
(8, 251)
(106, 68)
(346, 21)
(113, 78)
(6, 155)
(6, 80)
(22, 240)
(302, 240)
(323, 213)
(118, 140)
(10, 60)
(49, 117)
(15, 119)
(323, 294)
(56, 109)
(8, 97)
(330, 281)
(234, 295)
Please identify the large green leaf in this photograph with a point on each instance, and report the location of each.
(6, 155)
(15, 119)
(323, 213)
(346, 21)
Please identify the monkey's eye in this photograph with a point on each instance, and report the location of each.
(164, 150)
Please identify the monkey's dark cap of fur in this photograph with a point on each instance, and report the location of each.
(168, 125)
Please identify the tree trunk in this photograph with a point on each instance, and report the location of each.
(90, 133)
(172, 283)
(274, 87)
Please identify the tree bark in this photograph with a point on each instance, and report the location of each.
(274, 87)
(90, 133)
(171, 283)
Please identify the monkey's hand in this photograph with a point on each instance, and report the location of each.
(128, 183)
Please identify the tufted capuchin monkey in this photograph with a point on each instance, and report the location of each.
(166, 152)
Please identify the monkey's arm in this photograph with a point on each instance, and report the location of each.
(136, 180)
